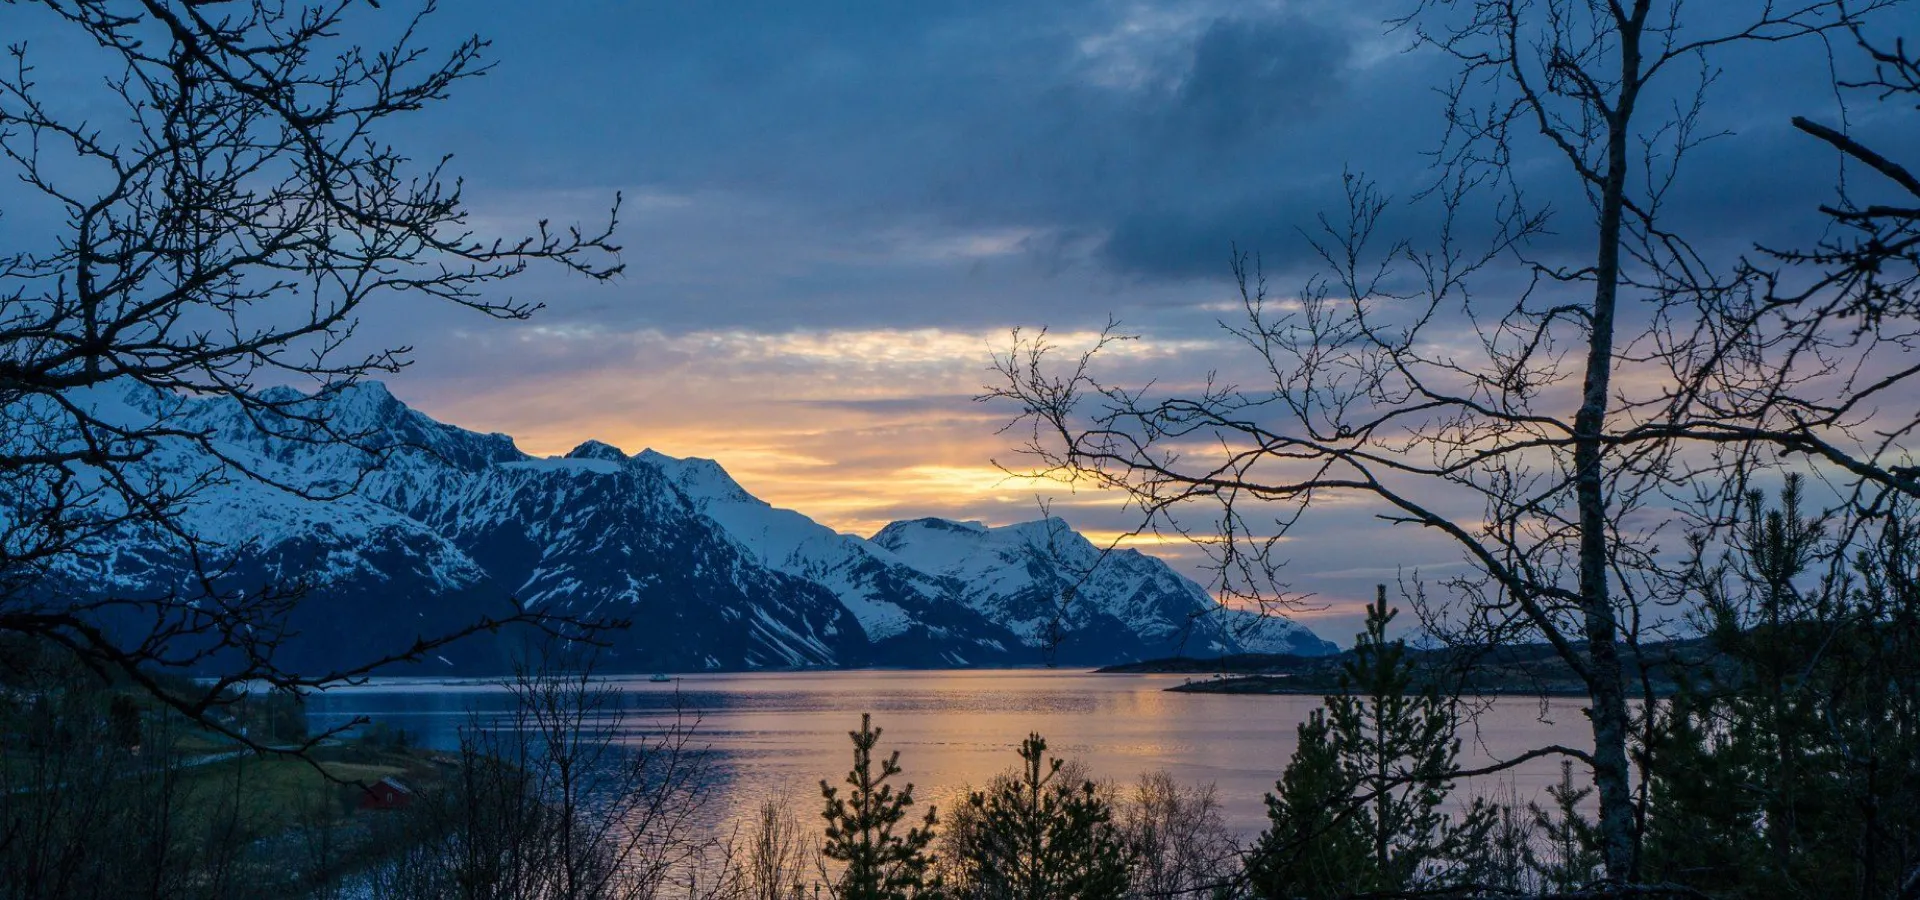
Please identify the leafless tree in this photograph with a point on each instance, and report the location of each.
(1182, 844)
(564, 797)
(1555, 418)
(773, 857)
(218, 215)
(84, 814)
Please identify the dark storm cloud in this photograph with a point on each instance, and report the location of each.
(945, 163)
(1123, 139)
(1248, 75)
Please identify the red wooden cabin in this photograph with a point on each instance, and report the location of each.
(387, 793)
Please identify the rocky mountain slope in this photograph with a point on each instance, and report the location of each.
(437, 523)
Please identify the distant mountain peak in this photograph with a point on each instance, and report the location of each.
(930, 523)
(597, 450)
(697, 476)
(1050, 530)
(360, 401)
(281, 393)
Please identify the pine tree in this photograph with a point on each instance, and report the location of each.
(881, 863)
(1567, 857)
(1372, 777)
(1313, 847)
(1788, 768)
(1742, 756)
(1873, 713)
(1039, 836)
(1398, 747)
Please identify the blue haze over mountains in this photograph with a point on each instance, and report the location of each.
(439, 525)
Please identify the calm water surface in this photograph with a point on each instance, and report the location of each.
(777, 734)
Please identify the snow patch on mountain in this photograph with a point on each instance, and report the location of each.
(1270, 632)
(785, 540)
(431, 516)
(250, 503)
(1047, 582)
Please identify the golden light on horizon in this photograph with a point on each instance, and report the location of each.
(853, 428)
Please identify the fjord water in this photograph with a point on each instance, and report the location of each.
(779, 733)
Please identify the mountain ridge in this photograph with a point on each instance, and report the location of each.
(441, 518)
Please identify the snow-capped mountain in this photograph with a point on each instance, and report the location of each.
(908, 615)
(374, 578)
(436, 523)
(1049, 584)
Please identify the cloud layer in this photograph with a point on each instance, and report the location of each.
(836, 212)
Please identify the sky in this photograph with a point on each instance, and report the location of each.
(835, 213)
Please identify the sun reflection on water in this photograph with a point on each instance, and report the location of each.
(776, 735)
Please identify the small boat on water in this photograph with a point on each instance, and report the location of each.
(659, 678)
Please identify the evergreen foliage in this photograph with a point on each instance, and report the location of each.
(1567, 855)
(1360, 805)
(881, 863)
(1042, 835)
(1501, 856)
(1791, 766)
(1313, 847)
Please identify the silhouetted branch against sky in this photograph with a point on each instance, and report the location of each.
(1567, 404)
(204, 202)
(833, 217)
